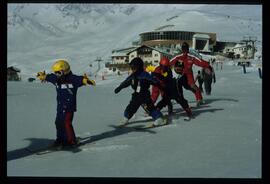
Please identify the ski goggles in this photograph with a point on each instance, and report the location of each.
(59, 73)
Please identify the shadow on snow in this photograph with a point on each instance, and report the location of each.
(208, 101)
(37, 143)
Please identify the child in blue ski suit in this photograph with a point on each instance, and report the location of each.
(66, 84)
(140, 82)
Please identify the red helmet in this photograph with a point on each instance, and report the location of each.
(164, 61)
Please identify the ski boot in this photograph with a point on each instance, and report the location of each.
(123, 122)
(146, 114)
(73, 144)
(57, 145)
(189, 114)
(158, 122)
(200, 102)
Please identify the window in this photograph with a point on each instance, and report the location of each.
(169, 36)
(156, 61)
(156, 55)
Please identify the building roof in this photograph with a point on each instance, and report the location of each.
(161, 50)
(124, 49)
(158, 50)
(122, 52)
(14, 69)
(170, 28)
(118, 54)
(205, 36)
(239, 46)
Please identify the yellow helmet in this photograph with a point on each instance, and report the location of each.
(61, 66)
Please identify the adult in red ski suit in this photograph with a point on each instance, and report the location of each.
(188, 61)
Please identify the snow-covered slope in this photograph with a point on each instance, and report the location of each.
(223, 141)
(40, 33)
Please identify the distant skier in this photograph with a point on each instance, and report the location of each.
(208, 75)
(164, 75)
(221, 65)
(189, 60)
(199, 78)
(140, 82)
(66, 84)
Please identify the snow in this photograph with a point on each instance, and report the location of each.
(223, 141)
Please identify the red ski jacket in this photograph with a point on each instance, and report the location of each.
(189, 60)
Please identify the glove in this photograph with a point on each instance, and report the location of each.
(91, 82)
(117, 90)
(41, 76)
(165, 74)
(150, 68)
(86, 80)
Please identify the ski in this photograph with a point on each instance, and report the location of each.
(121, 125)
(35, 151)
(151, 125)
(46, 150)
(52, 148)
(187, 118)
(200, 106)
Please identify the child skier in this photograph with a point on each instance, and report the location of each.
(140, 82)
(164, 75)
(66, 84)
(176, 91)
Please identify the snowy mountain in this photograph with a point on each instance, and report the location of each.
(40, 33)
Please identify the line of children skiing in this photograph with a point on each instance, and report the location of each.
(163, 83)
(161, 80)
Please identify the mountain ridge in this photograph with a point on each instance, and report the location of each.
(83, 32)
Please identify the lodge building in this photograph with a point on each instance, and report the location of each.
(156, 44)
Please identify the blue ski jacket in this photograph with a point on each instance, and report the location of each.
(140, 82)
(66, 89)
